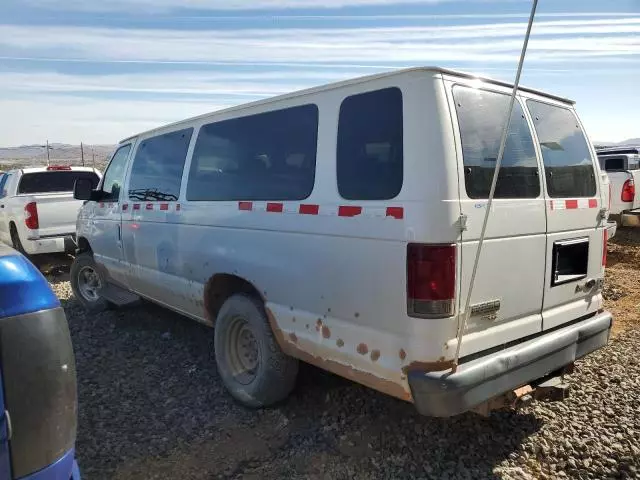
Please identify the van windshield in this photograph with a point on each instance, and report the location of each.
(567, 158)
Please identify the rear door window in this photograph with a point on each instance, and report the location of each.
(157, 168)
(3, 181)
(481, 116)
(567, 159)
(53, 181)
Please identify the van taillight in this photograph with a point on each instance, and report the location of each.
(431, 280)
(31, 215)
(628, 191)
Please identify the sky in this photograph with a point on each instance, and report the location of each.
(98, 71)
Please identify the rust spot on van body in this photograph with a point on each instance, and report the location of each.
(402, 354)
(318, 324)
(340, 343)
(428, 366)
(375, 355)
(293, 337)
(362, 349)
(364, 378)
(326, 333)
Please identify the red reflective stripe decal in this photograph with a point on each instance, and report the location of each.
(101, 204)
(605, 239)
(125, 207)
(395, 212)
(275, 207)
(571, 204)
(309, 209)
(593, 203)
(149, 206)
(349, 210)
(164, 206)
(136, 206)
(248, 206)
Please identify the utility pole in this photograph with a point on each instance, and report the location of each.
(82, 153)
(47, 153)
(93, 157)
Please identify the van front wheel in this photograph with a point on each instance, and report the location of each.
(251, 364)
(86, 283)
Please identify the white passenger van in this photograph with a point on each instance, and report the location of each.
(338, 226)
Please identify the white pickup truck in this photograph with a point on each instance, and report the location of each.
(622, 164)
(37, 209)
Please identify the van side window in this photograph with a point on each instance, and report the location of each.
(481, 115)
(267, 156)
(114, 176)
(157, 167)
(370, 142)
(3, 181)
(567, 159)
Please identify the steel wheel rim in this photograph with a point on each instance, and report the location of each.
(89, 284)
(243, 351)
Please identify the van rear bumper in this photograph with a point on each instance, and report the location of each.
(444, 394)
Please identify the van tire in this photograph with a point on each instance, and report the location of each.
(250, 362)
(83, 264)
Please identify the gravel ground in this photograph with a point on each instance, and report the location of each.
(152, 407)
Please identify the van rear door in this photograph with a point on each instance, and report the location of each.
(507, 297)
(575, 229)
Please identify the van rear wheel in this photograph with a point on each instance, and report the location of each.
(251, 364)
(86, 283)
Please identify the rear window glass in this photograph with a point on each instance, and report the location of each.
(370, 157)
(567, 159)
(481, 117)
(54, 181)
(156, 173)
(267, 156)
(613, 164)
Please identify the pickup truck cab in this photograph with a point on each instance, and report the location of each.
(338, 226)
(37, 209)
(622, 165)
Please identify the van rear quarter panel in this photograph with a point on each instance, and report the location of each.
(335, 286)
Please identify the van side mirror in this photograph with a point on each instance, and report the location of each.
(82, 189)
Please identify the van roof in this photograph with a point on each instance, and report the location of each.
(355, 81)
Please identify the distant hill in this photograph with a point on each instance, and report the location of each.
(59, 153)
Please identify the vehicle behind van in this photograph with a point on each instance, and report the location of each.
(622, 165)
(338, 226)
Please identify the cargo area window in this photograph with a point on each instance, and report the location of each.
(481, 115)
(567, 159)
(370, 150)
(267, 156)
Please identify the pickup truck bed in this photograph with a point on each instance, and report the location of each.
(37, 210)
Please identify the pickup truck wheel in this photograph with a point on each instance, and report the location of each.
(86, 283)
(15, 239)
(250, 362)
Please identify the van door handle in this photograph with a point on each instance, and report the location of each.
(119, 234)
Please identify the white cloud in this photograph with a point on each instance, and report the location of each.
(169, 5)
(412, 45)
(65, 119)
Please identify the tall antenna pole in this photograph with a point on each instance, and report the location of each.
(47, 153)
(82, 153)
(93, 157)
(466, 313)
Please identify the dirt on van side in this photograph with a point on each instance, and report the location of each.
(622, 279)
